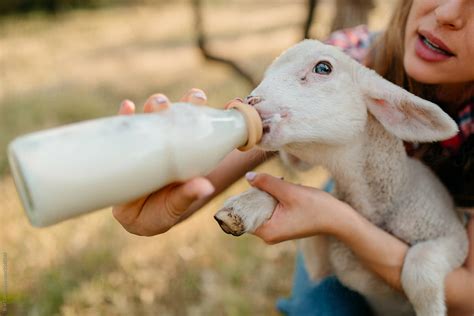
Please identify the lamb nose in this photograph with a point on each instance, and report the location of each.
(252, 100)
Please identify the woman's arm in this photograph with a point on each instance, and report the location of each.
(384, 254)
(304, 211)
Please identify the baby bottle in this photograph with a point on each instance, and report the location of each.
(78, 168)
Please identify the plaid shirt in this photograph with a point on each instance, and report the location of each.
(451, 159)
(354, 41)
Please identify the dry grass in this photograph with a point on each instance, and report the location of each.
(90, 265)
(80, 65)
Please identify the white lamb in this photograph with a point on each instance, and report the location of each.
(322, 107)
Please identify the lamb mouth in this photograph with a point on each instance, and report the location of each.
(267, 120)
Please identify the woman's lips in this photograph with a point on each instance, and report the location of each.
(431, 49)
(436, 42)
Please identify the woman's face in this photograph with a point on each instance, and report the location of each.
(439, 41)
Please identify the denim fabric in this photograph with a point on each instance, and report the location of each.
(326, 298)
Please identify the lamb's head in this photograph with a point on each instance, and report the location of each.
(316, 93)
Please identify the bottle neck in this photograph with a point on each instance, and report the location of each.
(252, 120)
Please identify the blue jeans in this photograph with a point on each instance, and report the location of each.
(325, 298)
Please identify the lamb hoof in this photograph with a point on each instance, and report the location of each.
(230, 223)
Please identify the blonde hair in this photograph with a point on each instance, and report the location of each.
(386, 54)
(386, 58)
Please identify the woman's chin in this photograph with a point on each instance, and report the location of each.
(423, 71)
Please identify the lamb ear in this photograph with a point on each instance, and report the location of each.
(402, 113)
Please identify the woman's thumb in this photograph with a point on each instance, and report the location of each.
(276, 187)
(183, 195)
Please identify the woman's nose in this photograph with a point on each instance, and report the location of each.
(451, 13)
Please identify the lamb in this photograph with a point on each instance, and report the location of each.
(319, 106)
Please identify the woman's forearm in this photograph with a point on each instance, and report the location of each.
(384, 254)
(381, 252)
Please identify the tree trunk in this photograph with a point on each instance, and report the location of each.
(311, 6)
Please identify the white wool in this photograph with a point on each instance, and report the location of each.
(352, 121)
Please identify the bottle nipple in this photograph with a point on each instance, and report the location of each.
(253, 121)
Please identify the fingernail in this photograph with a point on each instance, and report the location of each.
(159, 99)
(208, 191)
(200, 95)
(124, 103)
(250, 175)
(127, 107)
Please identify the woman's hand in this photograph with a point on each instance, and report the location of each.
(159, 211)
(301, 211)
(304, 211)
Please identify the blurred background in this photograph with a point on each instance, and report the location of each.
(63, 61)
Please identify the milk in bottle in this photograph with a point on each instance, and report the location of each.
(78, 168)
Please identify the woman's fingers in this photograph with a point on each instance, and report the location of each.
(127, 107)
(195, 96)
(277, 187)
(155, 103)
(161, 210)
(159, 101)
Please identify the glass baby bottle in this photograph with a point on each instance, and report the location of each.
(78, 168)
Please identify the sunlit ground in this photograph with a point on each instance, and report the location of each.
(80, 65)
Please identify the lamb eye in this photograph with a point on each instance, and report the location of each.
(322, 68)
